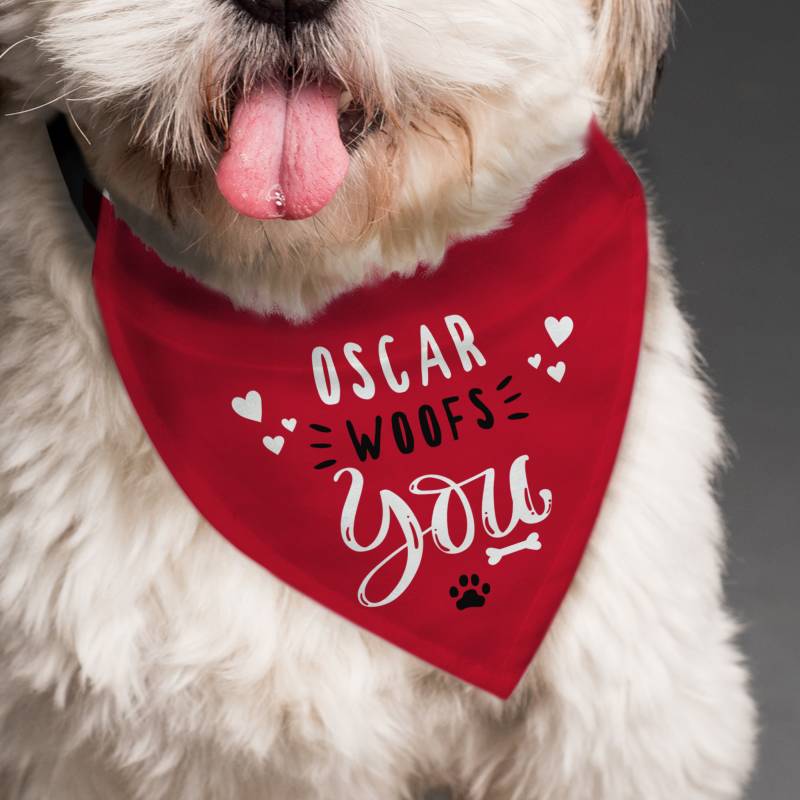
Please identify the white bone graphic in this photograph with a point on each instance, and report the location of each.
(495, 554)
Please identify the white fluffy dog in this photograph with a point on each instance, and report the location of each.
(141, 655)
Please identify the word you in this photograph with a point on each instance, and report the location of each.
(397, 515)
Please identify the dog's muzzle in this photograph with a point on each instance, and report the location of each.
(286, 13)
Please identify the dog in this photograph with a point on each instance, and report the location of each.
(143, 656)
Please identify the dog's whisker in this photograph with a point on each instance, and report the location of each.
(36, 108)
(75, 122)
(320, 222)
(16, 44)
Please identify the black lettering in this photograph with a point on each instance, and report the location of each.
(403, 435)
(363, 445)
(452, 418)
(487, 421)
(429, 425)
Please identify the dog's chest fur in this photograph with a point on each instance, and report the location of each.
(119, 602)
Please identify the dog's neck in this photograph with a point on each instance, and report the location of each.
(297, 279)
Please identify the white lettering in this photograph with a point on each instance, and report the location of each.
(431, 355)
(394, 509)
(464, 340)
(325, 377)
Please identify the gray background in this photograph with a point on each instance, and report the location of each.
(721, 154)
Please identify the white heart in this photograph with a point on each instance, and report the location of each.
(559, 330)
(289, 424)
(274, 444)
(535, 361)
(249, 406)
(556, 372)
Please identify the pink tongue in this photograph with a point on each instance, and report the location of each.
(286, 157)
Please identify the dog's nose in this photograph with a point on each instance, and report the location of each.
(285, 12)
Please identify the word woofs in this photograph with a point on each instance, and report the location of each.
(368, 444)
(395, 509)
(326, 376)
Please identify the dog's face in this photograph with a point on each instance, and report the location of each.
(353, 115)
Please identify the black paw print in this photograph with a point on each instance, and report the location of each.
(472, 597)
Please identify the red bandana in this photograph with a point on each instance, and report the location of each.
(427, 457)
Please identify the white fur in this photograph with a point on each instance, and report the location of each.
(141, 655)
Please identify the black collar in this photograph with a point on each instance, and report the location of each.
(83, 193)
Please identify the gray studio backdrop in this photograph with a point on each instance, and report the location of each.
(721, 153)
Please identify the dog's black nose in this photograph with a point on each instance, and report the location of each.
(285, 12)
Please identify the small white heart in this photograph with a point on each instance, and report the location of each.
(556, 372)
(535, 361)
(289, 424)
(248, 406)
(559, 330)
(274, 444)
